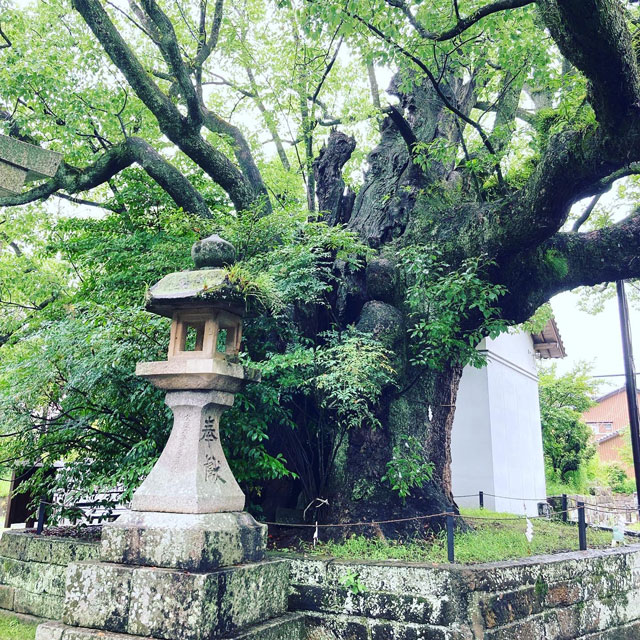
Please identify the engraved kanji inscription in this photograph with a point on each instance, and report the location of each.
(208, 433)
(211, 468)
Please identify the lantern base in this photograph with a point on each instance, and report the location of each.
(193, 373)
(191, 542)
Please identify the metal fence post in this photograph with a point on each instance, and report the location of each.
(450, 550)
(565, 508)
(582, 527)
(481, 499)
(41, 516)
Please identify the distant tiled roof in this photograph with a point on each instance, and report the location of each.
(609, 436)
(548, 343)
(611, 394)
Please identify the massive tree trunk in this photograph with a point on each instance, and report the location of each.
(422, 405)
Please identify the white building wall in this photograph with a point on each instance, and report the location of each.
(497, 440)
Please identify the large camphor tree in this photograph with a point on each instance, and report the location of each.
(383, 275)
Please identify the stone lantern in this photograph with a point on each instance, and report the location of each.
(186, 561)
(201, 376)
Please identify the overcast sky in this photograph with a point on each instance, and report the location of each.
(594, 337)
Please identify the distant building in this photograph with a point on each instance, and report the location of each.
(497, 437)
(608, 420)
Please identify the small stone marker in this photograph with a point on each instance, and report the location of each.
(186, 562)
(21, 162)
(618, 532)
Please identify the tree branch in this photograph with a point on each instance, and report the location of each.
(447, 103)
(593, 36)
(463, 23)
(121, 55)
(211, 42)
(7, 42)
(112, 162)
(403, 128)
(181, 131)
(168, 45)
(184, 194)
(586, 213)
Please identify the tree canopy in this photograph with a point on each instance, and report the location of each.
(381, 234)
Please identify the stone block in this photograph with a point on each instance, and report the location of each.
(340, 627)
(194, 542)
(288, 627)
(166, 603)
(13, 545)
(42, 605)
(7, 595)
(370, 604)
(33, 576)
(97, 596)
(343, 627)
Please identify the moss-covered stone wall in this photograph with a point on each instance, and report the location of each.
(592, 595)
(33, 568)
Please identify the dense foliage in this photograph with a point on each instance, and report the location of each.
(369, 283)
(565, 436)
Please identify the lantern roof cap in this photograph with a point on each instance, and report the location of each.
(197, 289)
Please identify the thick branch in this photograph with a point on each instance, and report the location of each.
(184, 194)
(463, 23)
(74, 180)
(570, 260)
(403, 128)
(183, 133)
(593, 36)
(170, 50)
(575, 165)
(122, 56)
(112, 162)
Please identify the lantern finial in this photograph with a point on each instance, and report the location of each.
(213, 252)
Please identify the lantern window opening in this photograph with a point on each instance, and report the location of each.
(204, 334)
(193, 337)
(221, 346)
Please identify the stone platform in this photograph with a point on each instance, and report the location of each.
(173, 576)
(169, 604)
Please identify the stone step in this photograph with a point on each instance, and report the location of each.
(288, 627)
(332, 626)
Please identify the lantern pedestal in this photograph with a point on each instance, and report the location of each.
(192, 474)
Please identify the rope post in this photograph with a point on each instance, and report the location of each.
(41, 516)
(450, 550)
(565, 508)
(582, 527)
(481, 499)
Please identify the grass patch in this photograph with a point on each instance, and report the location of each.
(12, 628)
(490, 540)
